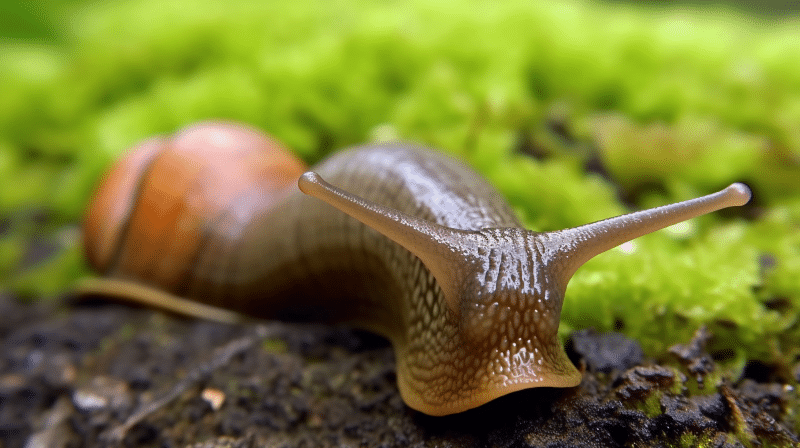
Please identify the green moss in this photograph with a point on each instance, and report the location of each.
(274, 346)
(12, 248)
(49, 277)
(671, 102)
(689, 440)
(651, 406)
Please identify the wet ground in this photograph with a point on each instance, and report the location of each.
(97, 374)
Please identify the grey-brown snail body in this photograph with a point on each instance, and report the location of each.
(421, 250)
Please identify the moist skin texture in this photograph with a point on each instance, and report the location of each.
(502, 335)
(469, 299)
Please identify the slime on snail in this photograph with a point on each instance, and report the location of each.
(393, 238)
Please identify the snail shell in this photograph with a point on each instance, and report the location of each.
(169, 198)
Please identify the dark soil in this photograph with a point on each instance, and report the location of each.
(74, 375)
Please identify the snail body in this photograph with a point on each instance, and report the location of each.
(421, 250)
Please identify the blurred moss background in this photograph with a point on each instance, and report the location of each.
(576, 110)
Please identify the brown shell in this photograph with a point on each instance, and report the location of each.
(149, 215)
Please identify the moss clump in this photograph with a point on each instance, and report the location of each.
(662, 104)
(274, 346)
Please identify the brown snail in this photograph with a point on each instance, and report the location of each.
(421, 249)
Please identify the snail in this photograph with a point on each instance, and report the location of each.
(404, 241)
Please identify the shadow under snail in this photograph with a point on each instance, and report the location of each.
(421, 250)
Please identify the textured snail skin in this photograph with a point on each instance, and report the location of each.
(470, 300)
